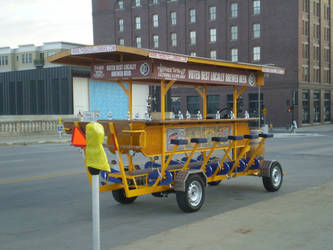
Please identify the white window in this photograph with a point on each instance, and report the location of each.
(192, 16)
(30, 58)
(213, 54)
(121, 25)
(155, 1)
(256, 7)
(138, 23)
(193, 37)
(121, 41)
(234, 32)
(120, 4)
(234, 10)
(256, 30)
(212, 13)
(234, 55)
(173, 39)
(137, 3)
(193, 53)
(173, 16)
(138, 42)
(155, 20)
(155, 40)
(212, 35)
(256, 53)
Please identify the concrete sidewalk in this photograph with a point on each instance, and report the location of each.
(300, 220)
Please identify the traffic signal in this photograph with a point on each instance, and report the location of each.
(289, 110)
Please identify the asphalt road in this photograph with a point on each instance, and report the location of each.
(45, 197)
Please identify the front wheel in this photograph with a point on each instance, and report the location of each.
(192, 199)
(274, 181)
(120, 196)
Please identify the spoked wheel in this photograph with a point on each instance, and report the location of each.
(192, 199)
(274, 182)
(120, 196)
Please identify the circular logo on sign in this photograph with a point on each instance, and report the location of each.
(252, 79)
(144, 69)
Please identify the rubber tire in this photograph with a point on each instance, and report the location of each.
(214, 183)
(268, 181)
(120, 196)
(182, 199)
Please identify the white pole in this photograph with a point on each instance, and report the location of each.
(95, 212)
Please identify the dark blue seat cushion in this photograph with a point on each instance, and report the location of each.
(199, 140)
(266, 135)
(220, 139)
(251, 136)
(178, 141)
(235, 138)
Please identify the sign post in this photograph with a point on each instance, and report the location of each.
(60, 127)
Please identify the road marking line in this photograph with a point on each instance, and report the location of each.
(294, 145)
(41, 177)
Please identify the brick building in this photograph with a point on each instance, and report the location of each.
(296, 35)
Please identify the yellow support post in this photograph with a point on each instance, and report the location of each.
(203, 94)
(163, 100)
(254, 154)
(130, 98)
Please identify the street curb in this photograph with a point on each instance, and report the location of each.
(25, 143)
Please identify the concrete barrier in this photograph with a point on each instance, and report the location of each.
(24, 128)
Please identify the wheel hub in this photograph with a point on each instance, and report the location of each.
(194, 193)
(276, 176)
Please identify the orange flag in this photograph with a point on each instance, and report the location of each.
(78, 138)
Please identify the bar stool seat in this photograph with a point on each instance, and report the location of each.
(220, 139)
(266, 135)
(199, 140)
(178, 141)
(235, 138)
(251, 137)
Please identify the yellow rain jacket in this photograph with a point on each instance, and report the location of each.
(95, 155)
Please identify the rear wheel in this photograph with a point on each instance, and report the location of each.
(120, 196)
(192, 199)
(274, 182)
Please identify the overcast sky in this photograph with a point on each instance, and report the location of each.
(38, 21)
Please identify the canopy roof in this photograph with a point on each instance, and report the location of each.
(182, 68)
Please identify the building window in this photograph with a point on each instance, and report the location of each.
(137, 3)
(234, 55)
(316, 106)
(138, 42)
(316, 9)
(327, 33)
(155, 20)
(305, 50)
(256, 7)
(193, 37)
(154, 1)
(316, 52)
(173, 16)
(193, 104)
(193, 53)
(192, 16)
(240, 104)
(327, 106)
(212, 13)
(327, 54)
(121, 41)
(121, 25)
(256, 30)
(175, 104)
(138, 23)
(306, 5)
(155, 40)
(120, 4)
(316, 30)
(3, 60)
(327, 75)
(305, 27)
(173, 39)
(305, 73)
(256, 54)
(316, 74)
(306, 106)
(213, 54)
(212, 104)
(234, 33)
(234, 10)
(212, 35)
(253, 105)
